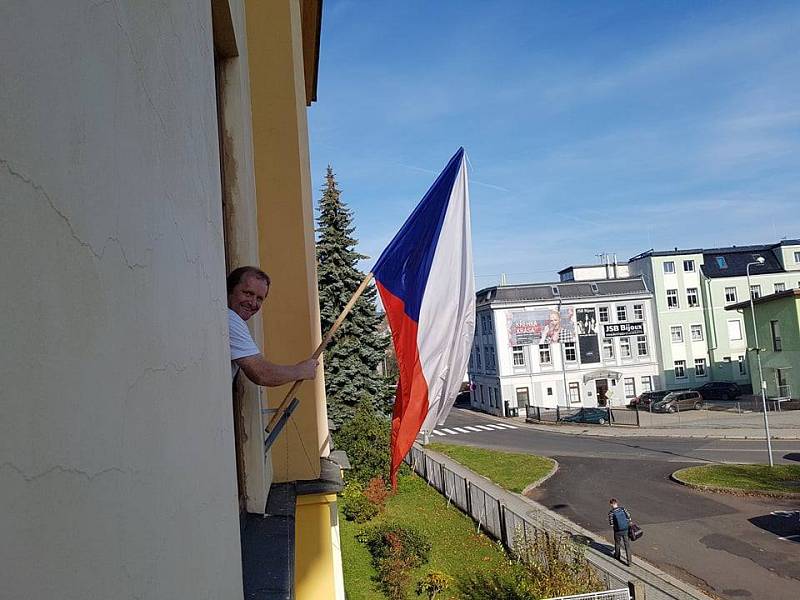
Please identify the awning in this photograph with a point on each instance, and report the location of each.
(601, 375)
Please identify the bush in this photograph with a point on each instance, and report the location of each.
(545, 565)
(396, 550)
(355, 504)
(433, 583)
(377, 493)
(365, 438)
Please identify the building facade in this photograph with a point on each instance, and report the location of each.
(777, 318)
(567, 344)
(699, 340)
(148, 149)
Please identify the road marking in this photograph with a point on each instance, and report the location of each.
(504, 425)
(472, 428)
(461, 430)
(450, 431)
(484, 427)
(495, 426)
(437, 432)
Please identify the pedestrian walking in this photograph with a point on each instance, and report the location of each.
(620, 520)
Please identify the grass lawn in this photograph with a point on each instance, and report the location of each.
(510, 470)
(744, 478)
(457, 548)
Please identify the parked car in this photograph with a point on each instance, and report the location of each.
(643, 400)
(598, 416)
(720, 390)
(682, 400)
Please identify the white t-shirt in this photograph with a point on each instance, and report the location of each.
(242, 344)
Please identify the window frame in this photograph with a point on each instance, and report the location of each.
(671, 269)
(545, 348)
(676, 297)
(603, 310)
(518, 352)
(704, 364)
(608, 344)
(755, 291)
(625, 350)
(527, 395)
(775, 287)
(696, 327)
(739, 326)
(688, 262)
(647, 383)
(642, 339)
(638, 312)
(622, 312)
(574, 385)
(735, 294)
(632, 382)
(692, 293)
(775, 332)
(673, 329)
(682, 365)
(570, 348)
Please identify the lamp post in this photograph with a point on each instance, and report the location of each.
(759, 261)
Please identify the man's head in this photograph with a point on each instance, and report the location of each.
(613, 502)
(247, 289)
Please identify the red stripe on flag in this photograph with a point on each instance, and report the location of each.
(411, 399)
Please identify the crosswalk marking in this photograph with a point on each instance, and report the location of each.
(450, 431)
(455, 430)
(461, 429)
(506, 426)
(471, 428)
(484, 427)
(494, 426)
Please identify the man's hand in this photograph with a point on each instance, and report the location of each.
(306, 369)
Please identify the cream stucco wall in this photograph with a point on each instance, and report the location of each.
(117, 475)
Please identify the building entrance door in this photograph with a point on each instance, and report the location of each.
(601, 386)
(783, 384)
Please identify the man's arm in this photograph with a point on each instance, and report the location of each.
(262, 372)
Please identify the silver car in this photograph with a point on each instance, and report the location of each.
(681, 400)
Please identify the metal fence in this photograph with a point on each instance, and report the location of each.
(623, 594)
(610, 416)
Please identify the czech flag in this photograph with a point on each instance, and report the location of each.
(427, 287)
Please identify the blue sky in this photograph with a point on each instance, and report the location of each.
(590, 126)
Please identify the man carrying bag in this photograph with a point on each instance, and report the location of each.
(620, 520)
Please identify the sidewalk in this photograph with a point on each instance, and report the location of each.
(690, 424)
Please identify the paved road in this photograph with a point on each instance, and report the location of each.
(733, 547)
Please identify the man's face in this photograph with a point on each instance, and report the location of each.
(246, 298)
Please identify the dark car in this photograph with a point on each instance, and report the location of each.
(675, 401)
(720, 390)
(643, 400)
(598, 416)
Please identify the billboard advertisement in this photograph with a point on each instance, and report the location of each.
(586, 322)
(620, 329)
(541, 326)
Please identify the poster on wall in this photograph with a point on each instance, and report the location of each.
(586, 322)
(543, 326)
(618, 329)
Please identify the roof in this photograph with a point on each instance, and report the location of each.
(601, 265)
(736, 262)
(765, 299)
(716, 251)
(538, 292)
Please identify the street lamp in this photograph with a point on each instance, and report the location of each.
(759, 262)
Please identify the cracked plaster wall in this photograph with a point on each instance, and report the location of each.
(117, 474)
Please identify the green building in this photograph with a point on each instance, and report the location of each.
(778, 325)
(698, 340)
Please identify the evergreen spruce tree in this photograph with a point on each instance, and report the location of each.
(353, 356)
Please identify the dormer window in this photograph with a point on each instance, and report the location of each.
(594, 289)
(721, 262)
(554, 288)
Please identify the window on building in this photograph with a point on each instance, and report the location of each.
(574, 393)
(730, 294)
(797, 257)
(603, 314)
(676, 334)
(491, 397)
(638, 312)
(549, 391)
(608, 348)
(483, 324)
(523, 399)
(775, 326)
(490, 358)
(471, 360)
(641, 345)
(518, 356)
(544, 354)
(688, 266)
(483, 398)
(755, 291)
(672, 299)
(569, 352)
(630, 387)
(780, 287)
(669, 267)
(697, 333)
(478, 358)
(680, 369)
(742, 366)
(647, 384)
(692, 298)
(734, 330)
(490, 323)
(721, 262)
(700, 367)
(625, 347)
(622, 313)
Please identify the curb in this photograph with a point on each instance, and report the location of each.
(541, 480)
(731, 491)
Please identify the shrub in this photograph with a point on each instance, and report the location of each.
(377, 492)
(365, 438)
(545, 565)
(433, 583)
(396, 550)
(355, 504)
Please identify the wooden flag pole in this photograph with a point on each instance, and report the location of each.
(322, 345)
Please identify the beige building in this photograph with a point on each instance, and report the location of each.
(147, 148)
